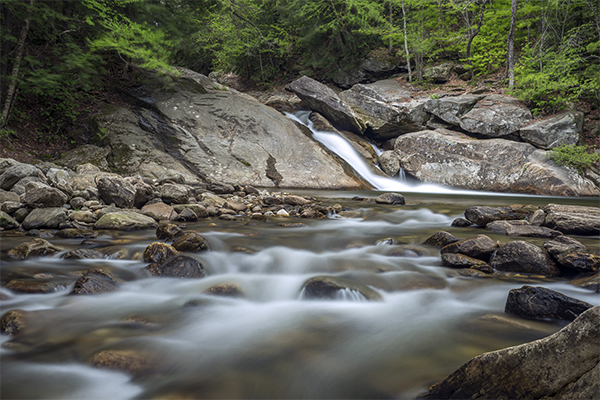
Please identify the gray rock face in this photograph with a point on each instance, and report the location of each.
(451, 109)
(49, 218)
(439, 73)
(453, 159)
(565, 128)
(219, 135)
(561, 366)
(114, 189)
(573, 220)
(541, 303)
(171, 193)
(524, 257)
(495, 116)
(85, 154)
(60, 179)
(322, 99)
(47, 197)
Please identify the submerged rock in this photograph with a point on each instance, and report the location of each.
(226, 290)
(329, 287)
(34, 248)
(14, 321)
(178, 266)
(561, 366)
(128, 361)
(541, 303)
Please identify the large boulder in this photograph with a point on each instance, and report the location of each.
(561, 366)
(438, 73)
(480, 247)
(452, 108)
(496, 116)
(219, 135)
(117, 190)
(573, 220)
(45, 197)
(456, 160)
(542, 303)
(125, 221)
(17, 172)
(483, 215)
(49, 218)
(558, 130)
(324, 100)
(523, 257)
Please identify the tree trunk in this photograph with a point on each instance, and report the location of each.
(483, 4)
(10, 92)
(391, 30)
(510, 53)
(406, 45)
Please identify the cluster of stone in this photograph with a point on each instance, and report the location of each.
(49, 197)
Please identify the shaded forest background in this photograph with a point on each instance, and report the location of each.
(62, 61)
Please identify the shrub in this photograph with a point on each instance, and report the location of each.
(574, 156)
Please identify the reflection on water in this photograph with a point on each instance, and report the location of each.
(269, 342)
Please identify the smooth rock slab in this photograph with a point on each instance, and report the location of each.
(547, 367)
(125, 221)
(541, 303)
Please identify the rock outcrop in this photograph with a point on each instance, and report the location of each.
(565, 365)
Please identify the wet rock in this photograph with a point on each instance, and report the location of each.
(579, 261)
(32, 286)
(524, 257)
(191, 242)
(159, 211)
(14, 322)
(174, 193)
(296, 200)
(226, 290)
(329, 287)
(541, 303)
(558, 130)
(563, 244)
(483, 215)
(457, 260)
(46, 197)
(389, 162)
(461, 223)
(313, 211)
(35, 248)
(115, 253)
(17, 172)
(325, 101)
(77, 234)
(7, 222)
(441, 239)
(187, 215)
(573, 220)
(158, 252)
(495, 116)
(49, 218)
(169, 232)
(95, 281)
(390, 198)
(115, 189)
(537, 218)
(480, 247)
(178, 266)
(589, 282)
(83, 254)
(129, 361)
(563, 363)
(521, 228)
(125, 221)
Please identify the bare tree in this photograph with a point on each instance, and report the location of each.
(510, 53)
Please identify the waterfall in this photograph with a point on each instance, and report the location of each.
(344, 149)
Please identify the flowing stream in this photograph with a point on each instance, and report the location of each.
(271, 342)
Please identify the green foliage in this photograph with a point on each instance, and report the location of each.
(577, 157)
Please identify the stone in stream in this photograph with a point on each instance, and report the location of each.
(441, 239)
(125, 221)
(523, 257)
(573, 220)
(521, 228)
(95, 281)
(190, 242)
(226, 290)
(77, 234)
(457, 260)
(329, 287)
(14, 321)
(589, 282)
(541, 303)
(390, 198)
(483, 215)
(169, 232)
(461, 223)
(33, 286)
(579, 261)
(562, 366)
(84, 254)
(480, 247)
(7, 222)
(34, 248)
(131, 362)
(178, 266)
(563, 244)
(49, 218)
(158, 252)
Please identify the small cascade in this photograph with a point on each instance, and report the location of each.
(349, 295)
(344, 149)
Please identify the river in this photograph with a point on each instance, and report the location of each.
(271, 342)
